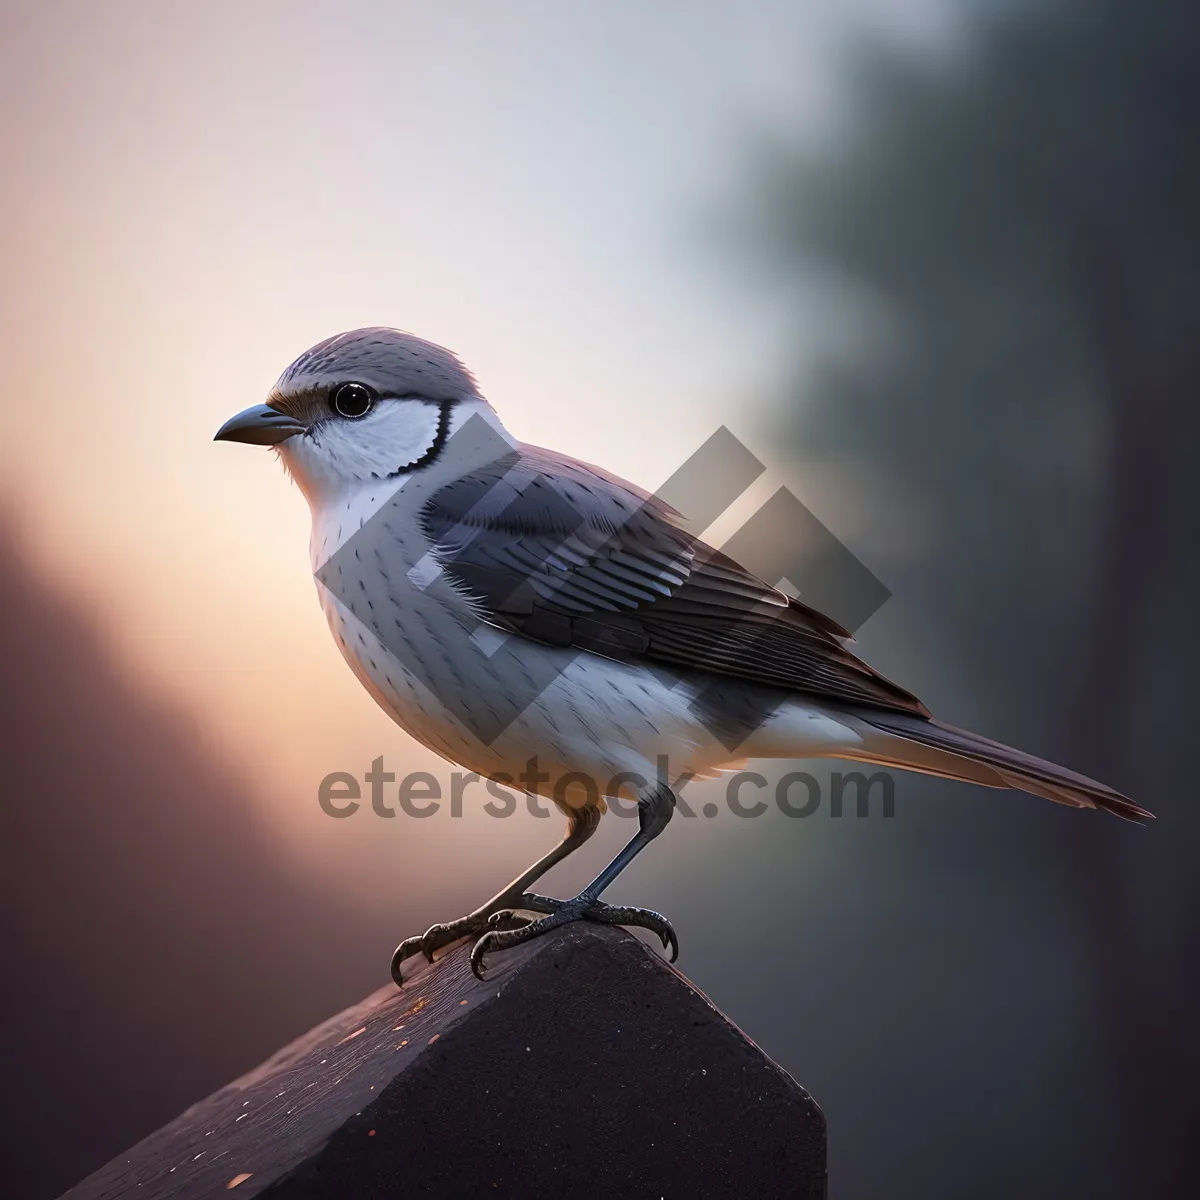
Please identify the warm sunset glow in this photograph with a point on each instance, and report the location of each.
(195, 209)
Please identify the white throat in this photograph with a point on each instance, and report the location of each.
(341, 503)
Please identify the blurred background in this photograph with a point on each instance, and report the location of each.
(936, 261)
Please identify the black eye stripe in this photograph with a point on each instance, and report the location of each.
(439, 441)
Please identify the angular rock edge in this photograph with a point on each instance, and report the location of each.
(584, 1065)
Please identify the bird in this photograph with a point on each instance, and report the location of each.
(534, 618)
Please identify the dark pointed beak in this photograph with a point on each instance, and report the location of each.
(260, 425)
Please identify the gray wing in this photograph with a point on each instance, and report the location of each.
(561, 552)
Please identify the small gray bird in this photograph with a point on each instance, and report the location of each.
(535, 619)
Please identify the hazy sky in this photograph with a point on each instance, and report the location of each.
(193, 194)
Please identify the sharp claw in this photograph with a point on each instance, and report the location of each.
(427, 943)
(559, 912)
(477, 952)
(403, 951)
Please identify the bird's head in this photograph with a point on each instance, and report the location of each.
(366, 405)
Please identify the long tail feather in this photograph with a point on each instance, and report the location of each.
(936, 749)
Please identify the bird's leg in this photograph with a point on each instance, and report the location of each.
(581, 824)
(654, 811)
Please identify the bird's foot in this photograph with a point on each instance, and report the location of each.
(562, 912)
(442, 934)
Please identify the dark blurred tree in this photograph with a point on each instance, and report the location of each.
(1012, 233)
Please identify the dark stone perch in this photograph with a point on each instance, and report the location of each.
(584, 1066)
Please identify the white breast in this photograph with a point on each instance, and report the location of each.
(596, 716)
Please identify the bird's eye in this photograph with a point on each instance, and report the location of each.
(352, 400)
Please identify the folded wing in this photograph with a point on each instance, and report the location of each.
(566, 554)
